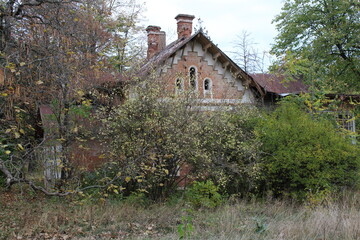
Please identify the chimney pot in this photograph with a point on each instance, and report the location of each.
(184, 25)
(156, 40)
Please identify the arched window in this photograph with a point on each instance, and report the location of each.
(179, 85)
(207, 87)
(193, 78)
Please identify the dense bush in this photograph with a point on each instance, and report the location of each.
(304, 155)
(150, 137)
(203, 194)
(229, 141)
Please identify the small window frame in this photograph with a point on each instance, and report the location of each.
(208, 87)
(193, 78)
(179, 85)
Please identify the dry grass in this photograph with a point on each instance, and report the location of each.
(24, 217)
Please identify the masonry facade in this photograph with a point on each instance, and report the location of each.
(193, 63)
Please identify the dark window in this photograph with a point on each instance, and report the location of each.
(179, 84)
(193, 77)
(207, 85)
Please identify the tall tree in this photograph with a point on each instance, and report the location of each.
(52, 51)
(319, 40)
(247, 56)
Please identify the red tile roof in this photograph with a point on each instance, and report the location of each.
(277, 84)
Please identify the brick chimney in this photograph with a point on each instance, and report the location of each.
(156, 40)
(184, 25)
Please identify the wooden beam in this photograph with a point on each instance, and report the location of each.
(206, 47)
(183, 50)
(226, 65)
(172, 60)
(215, 57)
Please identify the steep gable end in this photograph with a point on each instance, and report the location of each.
(194, 63)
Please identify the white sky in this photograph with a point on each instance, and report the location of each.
(223, 19)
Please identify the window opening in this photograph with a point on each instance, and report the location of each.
(179, 85)
(346, 121)
(207, 85)
(207, 88)
(192, 77)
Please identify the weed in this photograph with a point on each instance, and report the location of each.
(186, 228)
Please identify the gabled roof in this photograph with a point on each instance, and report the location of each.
(160, 58)
(276, 83)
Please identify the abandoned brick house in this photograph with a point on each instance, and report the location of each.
(194, 63)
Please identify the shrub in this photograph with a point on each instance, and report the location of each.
(229, 141)
(150, 138)
(304, 154)
(203, 194)
(2, 180)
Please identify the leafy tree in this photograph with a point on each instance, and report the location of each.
(52, 52)
(303, 154)
(228, 139)
(319, 40)
(150, 137)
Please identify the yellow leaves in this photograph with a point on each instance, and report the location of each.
(15, 131)
(127, 179)
(3, 94)
(168, 156)
(102, 200)
(139, 180)
(39, 82)
(80, 93)
(20, 147)
(75, 130)
(76, 19)
(166, 171)
(7, 152)
(22, 64)
(102, 156)
(86, 103)
(17, 135)
(81, 194)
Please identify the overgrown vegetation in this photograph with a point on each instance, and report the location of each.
(318, 40)
(155, 142)
(26, 217)
(151, 138)
(305, 154)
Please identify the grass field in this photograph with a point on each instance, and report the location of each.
(24, 216)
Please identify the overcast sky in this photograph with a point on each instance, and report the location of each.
(223, 19)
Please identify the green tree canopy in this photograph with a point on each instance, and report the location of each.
(320, 40)
(304, 154)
